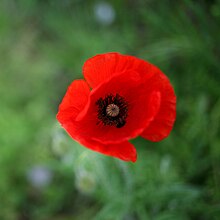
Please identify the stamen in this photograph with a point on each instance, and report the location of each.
(112, 110)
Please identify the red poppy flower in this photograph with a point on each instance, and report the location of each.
(121, 98)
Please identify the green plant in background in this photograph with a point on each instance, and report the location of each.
(43, 46)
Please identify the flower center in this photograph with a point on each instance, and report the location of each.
(112, 110)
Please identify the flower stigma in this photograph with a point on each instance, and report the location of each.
(112, 110)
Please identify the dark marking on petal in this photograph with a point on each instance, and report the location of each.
(112, 110)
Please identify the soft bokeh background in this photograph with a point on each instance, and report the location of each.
(44, 174)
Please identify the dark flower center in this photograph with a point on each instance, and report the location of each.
(112, 110)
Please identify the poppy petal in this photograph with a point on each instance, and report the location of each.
(163, 122)
(74, 101)
(104, 66)
(123, 150)
(143, 106)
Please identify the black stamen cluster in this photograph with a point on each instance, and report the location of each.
(117, 121)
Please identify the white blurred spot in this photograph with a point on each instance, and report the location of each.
(60, 146)
(85, 181)
(165, 164)
(39, 176)
(104, 13)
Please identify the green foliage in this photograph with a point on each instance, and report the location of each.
(42, 49)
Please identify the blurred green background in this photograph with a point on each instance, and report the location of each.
(44, 174)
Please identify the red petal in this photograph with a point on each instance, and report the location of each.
(123, 150)
(163, 122)
(143, 106)
(103, 66)
(74, 101)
